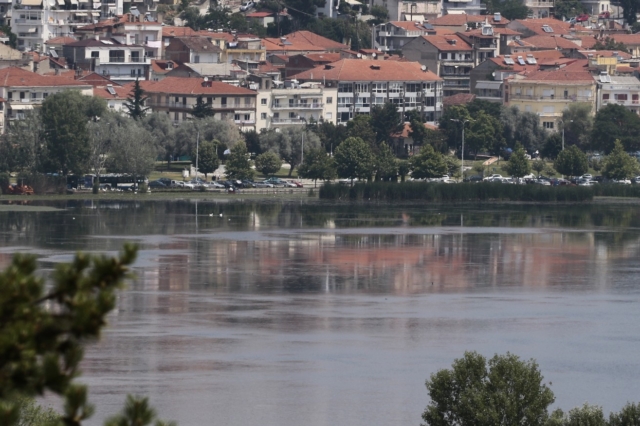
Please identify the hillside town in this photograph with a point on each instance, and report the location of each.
(262, 68)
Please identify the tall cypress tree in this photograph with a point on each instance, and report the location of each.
(135, 103)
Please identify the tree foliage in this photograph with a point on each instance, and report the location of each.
(361, 127)
(518, 165)
(268, 163)
(501, 391)
(619, 165)
(386, 167)
(288, 143)
(354, 159)
(610, 44)
(64, 118)
(571, 162)
(552, 146)
(202, 109)
(522, 127)
(485, 133)
(318, 165)
(133, 150)
(427, 164)
(630, 10)
(568, 9)
(208, 160)
(385, 120)
(24, 143)
(577, 122)
(615, 122)
(238, 165)
(135, 102)
(44, 329)
(510, 9)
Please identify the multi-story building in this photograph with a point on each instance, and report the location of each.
(22, 90)
(613, 89)
(36, 21)
(449, 56)
(404, 10)
(177, 96)
(540, 8)
(363, 84)
(549, 93)
(193, 50)
(301, 42)
(392, 36)
(470, 7)
(120, 62)
(462, 22)
(289, 103)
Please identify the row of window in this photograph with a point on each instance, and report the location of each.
(383, 87)
(365, 102)
(23, 95)
(223, 116)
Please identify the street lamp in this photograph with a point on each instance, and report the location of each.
(301, 118)
(457, 120)
(560, 121)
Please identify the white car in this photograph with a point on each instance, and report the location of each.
(247, 5)
(493, 178)
(587, 177)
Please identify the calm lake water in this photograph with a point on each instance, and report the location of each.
(291, 313)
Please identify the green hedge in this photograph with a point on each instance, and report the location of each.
(441, 192)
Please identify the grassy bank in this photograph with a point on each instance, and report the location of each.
(440, 192)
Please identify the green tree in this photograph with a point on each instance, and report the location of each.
(538, 166)
(25, 141)
(494, 109)
(380, 13)
(64, 121)
(354, 159)
(386, 166)
(385, 120)
(628, 416)
(587, 415)
(318, 165)
(238, 165)
(453, 166)
(451, 129)
(522, 127)
(619, 165)
(518, 165)
(136, 412)
(133, 150)
(135, 102)
(330, 135)
(288, 144)
(428, 164)
(13, 39)
(568, 8)
(44, 329)
(268, 163)
(571, 162)
(552, 146)
(163, 133)
(615, 122)
(208, 161)
(577, 122)
(361, 127)
(419, 133)
(403, 169)
(32, 414)
(510, 9)
(485, 133)
(201, 109)
(502, 391)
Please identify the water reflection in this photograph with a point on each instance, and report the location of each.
(295, 313)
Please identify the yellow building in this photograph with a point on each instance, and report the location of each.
(549, 93)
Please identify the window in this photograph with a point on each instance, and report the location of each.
(247, 101)
(345, 88)
(412, 88)
(263, 115)
(95, 54)
(236, 101)
(361, 87)
(196, 59)
(209, 100)
(345, 102)
(344, 117)
(247, 117)
(223, 101)
(621, 97)
(395, 87)
(379, 100)
(176, 116)
(431, 101)
(133, 73)
(291, 102)
(10, 95)
(379, 87)
(547, 125)
(263, 101)
(292, 115)
(44, 95)
(276, 115)
(329, 100)
(329, 116)
(34, 95)
(22, 95)
(236, 117)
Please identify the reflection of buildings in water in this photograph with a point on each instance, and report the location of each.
(404, 263)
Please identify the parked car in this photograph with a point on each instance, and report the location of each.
(493, 178)
(227, 184)
(263, 185)
(635, 179)
(605, 15)
(247, 5)
(157, 184)
(587, 176)
(165, 181)
(582, 17)
(276, 181)
(246, 183)
(297, 184)
(216, 185)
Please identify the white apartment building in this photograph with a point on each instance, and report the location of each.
(290, 103)
(613, 89)
(36, 21)
(406, 10)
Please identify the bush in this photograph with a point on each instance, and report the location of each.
(5, 180)
(43, 184)
(143, 188)
(441, 192)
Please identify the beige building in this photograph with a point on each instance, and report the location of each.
(289, 103)
(549, 93)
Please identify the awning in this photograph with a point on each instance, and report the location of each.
(15, 105)
(97, 5)
(318, 96)
(456, 12)
(80, 13)
(249, 111)
(492, 85)
(31, 3)
(32, 30)
(95, 13)
(60, 2)
(135, 12)
(83, 1)
(74, 2)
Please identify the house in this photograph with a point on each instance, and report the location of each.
(261, 18)
(402, 10)
(463, 22)
(115, 95)
(160, 69)
(545, 26)
(177, 96)
(548, 93)
(469, 7)
(402, 143)
(121, 62)
(394, 35)
(449, 57)
(22, 90)
(546, 42)
(193, 50)
(486, 79)
(301, 42)
(289, 103)
(631, 41)
(54, 46)
(620, 90)
(299, 63)
(363, 84)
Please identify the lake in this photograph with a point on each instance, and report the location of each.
(248, 312)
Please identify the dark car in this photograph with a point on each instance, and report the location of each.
(227, 184)
(165, 181)
(275, 181)
(157, 184)
(247, 184)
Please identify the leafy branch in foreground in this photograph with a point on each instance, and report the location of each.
(42, 333)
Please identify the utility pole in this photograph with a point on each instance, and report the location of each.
(197, 149)
(462, 154)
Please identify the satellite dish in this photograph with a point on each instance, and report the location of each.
(373, 55)
(206, 79)
(493, 74)
(359, 55)
(423, 68)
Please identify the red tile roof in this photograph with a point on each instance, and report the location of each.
(302, 41)
(192, 86)
(628, 39)
(258, 14)
(551, 42)
(17, 77)
(406, 129)
(60, 40)
(325, 57)
(605, 53)
(501, 31)
(121, 92)
(448, 43)
(96, 80)
(571, 74)
(539, 55)
(368, 70)
(587, 41)
(535, 25)
(459, 99)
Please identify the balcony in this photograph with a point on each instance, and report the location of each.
(455, 84)
(281, 121)
(459, 63)
(623, 102)
(539, 3)
(128, 60)
(297, 106)
(244, 121)
(28, 21)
